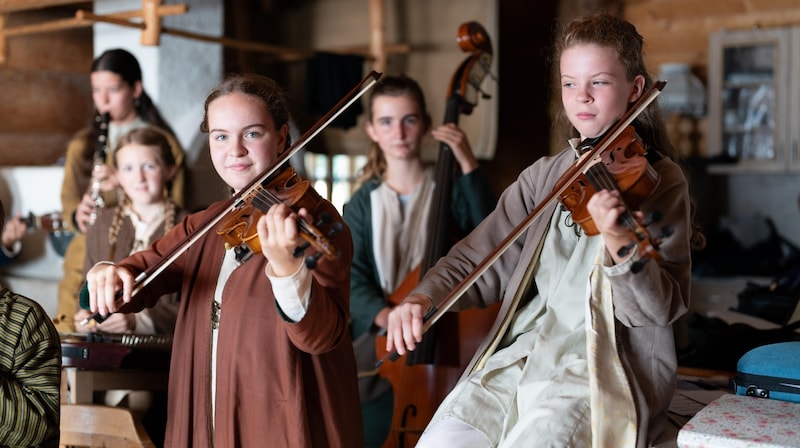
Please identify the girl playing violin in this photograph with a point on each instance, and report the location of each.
(261, 352)
(588, 357)
(392, 207)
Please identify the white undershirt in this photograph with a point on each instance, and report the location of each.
(293, 294)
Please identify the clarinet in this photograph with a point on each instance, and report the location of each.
(101, 121)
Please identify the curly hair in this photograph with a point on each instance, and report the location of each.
(607, 30)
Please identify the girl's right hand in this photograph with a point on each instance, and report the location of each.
(404, 330)
(103, 281)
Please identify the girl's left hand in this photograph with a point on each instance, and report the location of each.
(606, 207)
(279, 235)
(454, 137)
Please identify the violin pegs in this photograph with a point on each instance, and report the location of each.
(625, 250)
(311, 260)
(336, 228)
(298, 251)
(656, 216)
(638, 265)
(324, 218)
(666, 232)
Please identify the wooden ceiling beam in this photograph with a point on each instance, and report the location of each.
(7, 6)
(151, 13)
(150, 24)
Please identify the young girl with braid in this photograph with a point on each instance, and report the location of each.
(144, 167)
(117, 90)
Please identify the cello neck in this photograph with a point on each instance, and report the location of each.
(439, 225)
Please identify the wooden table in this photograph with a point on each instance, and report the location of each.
(79, 384)
(89, 367)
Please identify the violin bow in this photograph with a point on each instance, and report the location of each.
(455, 294)
(145, 277)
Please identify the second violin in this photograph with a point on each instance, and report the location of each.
(579, 335)
(625, 167)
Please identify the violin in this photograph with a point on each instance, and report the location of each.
(622, 167)
(239, 228)
(240, 214)
(572, 187)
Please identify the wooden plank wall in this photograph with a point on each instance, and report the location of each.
(678, 30)
(45, 94)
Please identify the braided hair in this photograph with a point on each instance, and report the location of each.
(147, 136)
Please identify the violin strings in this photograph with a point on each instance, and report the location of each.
(263, 199)
(601, 178)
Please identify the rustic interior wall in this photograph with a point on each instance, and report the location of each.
(429, 27)
(679, 31)
(44, 91)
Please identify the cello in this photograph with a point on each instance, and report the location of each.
(430, 372)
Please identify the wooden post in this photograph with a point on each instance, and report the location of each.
(377, 35)
(152, 22)
(3, 39)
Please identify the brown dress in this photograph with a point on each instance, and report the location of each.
(279, 383)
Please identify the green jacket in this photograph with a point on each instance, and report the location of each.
(472, 200)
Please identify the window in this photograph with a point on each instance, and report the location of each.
(334, 177)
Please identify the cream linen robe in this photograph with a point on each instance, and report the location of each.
(515, 398)
(400, 246)
(644, 304)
